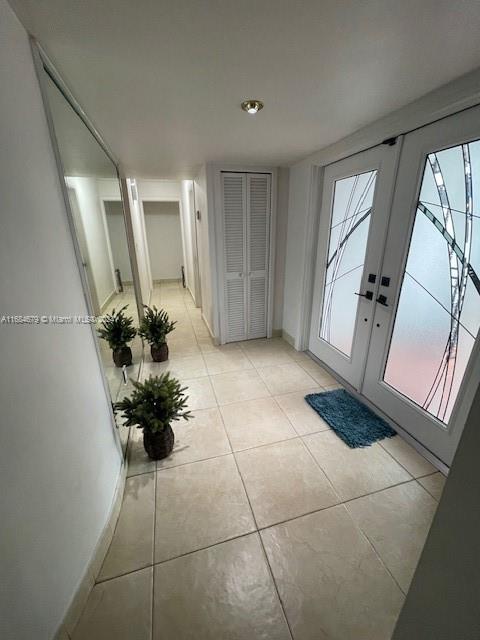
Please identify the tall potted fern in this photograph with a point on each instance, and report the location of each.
(118, 330)
(153, 406)
(154, 327)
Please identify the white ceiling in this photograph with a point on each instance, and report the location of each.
(163, 79)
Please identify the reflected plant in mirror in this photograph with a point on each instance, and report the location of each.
(118, 330)
(154, 327)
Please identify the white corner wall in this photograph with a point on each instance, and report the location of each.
(281, 246)
(95, 229)
(187, 211)
(296, 249)
(140, 241)
(117, 236)
(442, 603)
(59, 458)
(205, 245)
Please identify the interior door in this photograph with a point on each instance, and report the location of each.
(234, 198)
(258, 227)
(356, 201)
(423, 365)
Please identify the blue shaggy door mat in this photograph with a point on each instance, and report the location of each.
(351, 420)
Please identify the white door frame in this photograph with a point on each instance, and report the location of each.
(197, 298)
(141, 200)
(104, 199)
(219, 258)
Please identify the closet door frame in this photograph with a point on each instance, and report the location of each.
(216, 171)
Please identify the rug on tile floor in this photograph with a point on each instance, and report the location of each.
(351, 420)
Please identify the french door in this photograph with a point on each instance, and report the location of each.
(421, 363)
(356, 199)
(246, 235)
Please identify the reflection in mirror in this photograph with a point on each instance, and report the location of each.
(94, 193)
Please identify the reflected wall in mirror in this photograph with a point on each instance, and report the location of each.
(96, 205)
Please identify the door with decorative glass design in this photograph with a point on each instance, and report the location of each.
(357, 194)
(423, 363)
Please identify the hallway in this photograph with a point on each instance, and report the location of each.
(262, 523)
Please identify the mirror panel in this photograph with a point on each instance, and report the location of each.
(94, 194)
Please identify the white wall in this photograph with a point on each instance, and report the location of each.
(59, 459)
(187, 210)
(281, 247)
(118, 239)
(159, 189)
(88, 199)
(140, 241)
(204, 244)
(164, 239)
(296, 242)
(442, 603)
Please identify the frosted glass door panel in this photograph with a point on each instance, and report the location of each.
(350, 221)
(438, 313)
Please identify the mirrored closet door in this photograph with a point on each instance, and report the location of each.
(97, 216)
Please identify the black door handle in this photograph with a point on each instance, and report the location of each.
(368, 295)
(382, 300)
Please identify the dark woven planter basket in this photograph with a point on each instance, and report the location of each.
(122, 356)
(159, 445)
(159, 352)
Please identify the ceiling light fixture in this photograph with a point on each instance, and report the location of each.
(252, 106)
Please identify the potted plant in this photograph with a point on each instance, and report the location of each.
(152, 406)
(154, 327)
(117, 329)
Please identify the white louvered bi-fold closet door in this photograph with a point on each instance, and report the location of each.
(235, 239)
(258, 223)
(246, 213)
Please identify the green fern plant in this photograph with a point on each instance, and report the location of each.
(155, 325)
(117, 329)
(155, 403)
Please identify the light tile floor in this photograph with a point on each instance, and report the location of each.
(262, 524)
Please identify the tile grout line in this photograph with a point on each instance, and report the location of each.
(269, 568)
(417, 480)
(181, 555)
(152, 610)
(228, 453)
(377, 553)
(321, 468)
(395, 460)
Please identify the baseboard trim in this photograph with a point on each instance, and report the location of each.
(191, 295)
(216, 341)
(288, 338)
(107, 301)
(277, 333)
(88, 581)
(165, 280)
